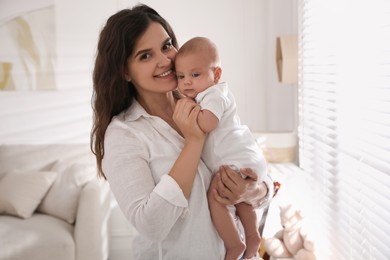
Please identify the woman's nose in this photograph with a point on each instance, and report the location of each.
(164, 60)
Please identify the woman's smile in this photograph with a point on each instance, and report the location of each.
(165, 74)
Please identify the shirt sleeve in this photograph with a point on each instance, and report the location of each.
(214, 99)
(152, 208)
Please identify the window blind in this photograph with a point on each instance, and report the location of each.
(344, 123)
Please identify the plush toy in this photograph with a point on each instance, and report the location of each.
(293, 241)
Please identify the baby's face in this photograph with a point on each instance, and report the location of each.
(194, 74)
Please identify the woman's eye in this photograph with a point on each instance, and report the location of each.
(167, 45)
(144, 56)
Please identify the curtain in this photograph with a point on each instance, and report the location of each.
(344, 123)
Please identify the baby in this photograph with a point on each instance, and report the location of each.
(229, 143)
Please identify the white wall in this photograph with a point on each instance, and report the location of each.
(281, 99)
(237, 28)
(245, 32)
(62, 116)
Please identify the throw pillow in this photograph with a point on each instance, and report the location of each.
(22, 191)
(62, 199)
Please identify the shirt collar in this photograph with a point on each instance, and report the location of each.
(135, 111)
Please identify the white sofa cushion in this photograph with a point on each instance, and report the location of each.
(62, 198)
(49, 237)
(40, 237)
(41, 157)
(22, 191)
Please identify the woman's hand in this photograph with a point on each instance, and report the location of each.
(185, 117)
(233, 189)
(185, 167)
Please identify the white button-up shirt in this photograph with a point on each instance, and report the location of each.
(140, 150)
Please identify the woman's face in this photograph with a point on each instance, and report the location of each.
(150, 66)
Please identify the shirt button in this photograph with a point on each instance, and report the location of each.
(185, 213)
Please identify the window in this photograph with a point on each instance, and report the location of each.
(344, 128)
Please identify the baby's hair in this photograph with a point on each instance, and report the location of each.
(201, 45)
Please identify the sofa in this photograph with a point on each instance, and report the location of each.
(52, 205)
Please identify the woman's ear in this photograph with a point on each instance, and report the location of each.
(127, 77)
(217, 74)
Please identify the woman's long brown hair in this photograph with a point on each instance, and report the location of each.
(111, 92)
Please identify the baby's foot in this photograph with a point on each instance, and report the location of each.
(234, 253)
(252, 245)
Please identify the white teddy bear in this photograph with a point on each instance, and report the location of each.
(293, 240)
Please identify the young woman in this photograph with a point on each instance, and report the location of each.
(148, 144)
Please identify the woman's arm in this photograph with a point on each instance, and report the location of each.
(186, 165)
(152, 208)
(147, 205)
(233, 189)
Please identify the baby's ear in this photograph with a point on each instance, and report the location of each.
(217, 74)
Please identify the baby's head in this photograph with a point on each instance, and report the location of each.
(197, 66)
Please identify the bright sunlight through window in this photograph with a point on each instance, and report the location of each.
(344, 129)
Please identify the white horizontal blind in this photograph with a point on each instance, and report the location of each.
(344, 131)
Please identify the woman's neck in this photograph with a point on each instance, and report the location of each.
(161, 105)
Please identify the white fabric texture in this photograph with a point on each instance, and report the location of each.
(140, 150)
(41, 157)
(22, 191)
(62, 198)
(43, 236)
(230, 143)
(90, 233)
(39, 237)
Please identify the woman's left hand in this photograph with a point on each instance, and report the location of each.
(233, 189)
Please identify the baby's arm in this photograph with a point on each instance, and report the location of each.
(207, 121)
